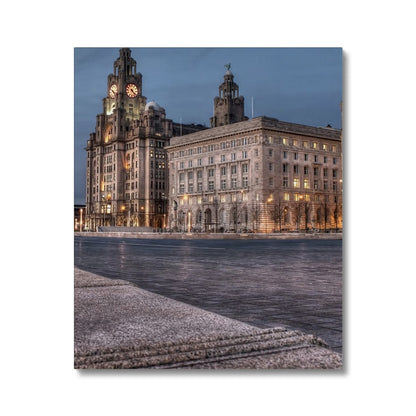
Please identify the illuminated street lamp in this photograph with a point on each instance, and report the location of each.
(270, 199)
(80, 221)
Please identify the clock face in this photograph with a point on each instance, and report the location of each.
(132, 90)
(113, 91)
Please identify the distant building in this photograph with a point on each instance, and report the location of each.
(260, 175)
(126, 158)
(240, 175)
(79, 217)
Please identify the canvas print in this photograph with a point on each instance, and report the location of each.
(208, 215)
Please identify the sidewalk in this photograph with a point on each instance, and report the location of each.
(118, 325)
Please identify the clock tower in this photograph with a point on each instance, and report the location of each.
(127, 176)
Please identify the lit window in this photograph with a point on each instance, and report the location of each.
(306, 183)
(296, 197)
(296, 183)
(325, 147)
(315, 145)
(285, 141)
(286, 196)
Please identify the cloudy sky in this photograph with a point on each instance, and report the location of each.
(300, 85)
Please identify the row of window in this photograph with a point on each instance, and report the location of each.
(306, 144)
(306, 157)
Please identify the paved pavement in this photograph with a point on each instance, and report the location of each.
(118, 325)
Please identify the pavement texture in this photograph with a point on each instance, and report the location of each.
(117, 325)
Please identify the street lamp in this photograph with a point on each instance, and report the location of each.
(80, 222)
(270, 199)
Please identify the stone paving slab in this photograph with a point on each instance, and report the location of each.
(118, 325)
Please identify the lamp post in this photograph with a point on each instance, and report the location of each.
(80, 221)
(270, 199)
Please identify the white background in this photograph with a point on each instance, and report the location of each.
(37, 207)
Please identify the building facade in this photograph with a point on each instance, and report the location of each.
(127, 174)
(258, 175)
(240, 175)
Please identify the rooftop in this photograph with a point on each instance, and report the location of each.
(257, 123)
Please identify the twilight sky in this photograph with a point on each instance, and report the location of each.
(300, 85)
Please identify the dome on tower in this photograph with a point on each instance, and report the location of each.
(153, 104)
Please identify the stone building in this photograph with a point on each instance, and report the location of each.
(259, 175)
(127, 174)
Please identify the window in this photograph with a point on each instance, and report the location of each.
(199, 186)
(222, 198)
(305, 145)
(233, 169)
(334, 160)
(284, 155)
(325, 185)
(306, 157)
(295, 143)
(306, 184)
(334, 173)
(295, 156)
(181, 177)
(234, 183)
(223, 170)
(210, 173)
(325, 159)
(285, 141)
(334, 186)
(211, 160)
(286, 196)
(256, 166)
(325, 172)
(256, 152)
(190, 176)
(315, 185)
(296, 183)
(199, 162)
(270, 166)
(222, 158)
(244, 154)
(232, 143)
(189, 163)
(315, 145)
(270, 152)
(285, 168)
(245, 168)
(334, 148)
(190, 188)
(199, 174)
(271, 181)
(305, 170)
(233, 156)
(211, 148)
(325, 147)
(181, 188)
(223, 184)
(295, 169)
(210, 185)
(245, 182)
(285, 182)
(316, 158)
(182, 165)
